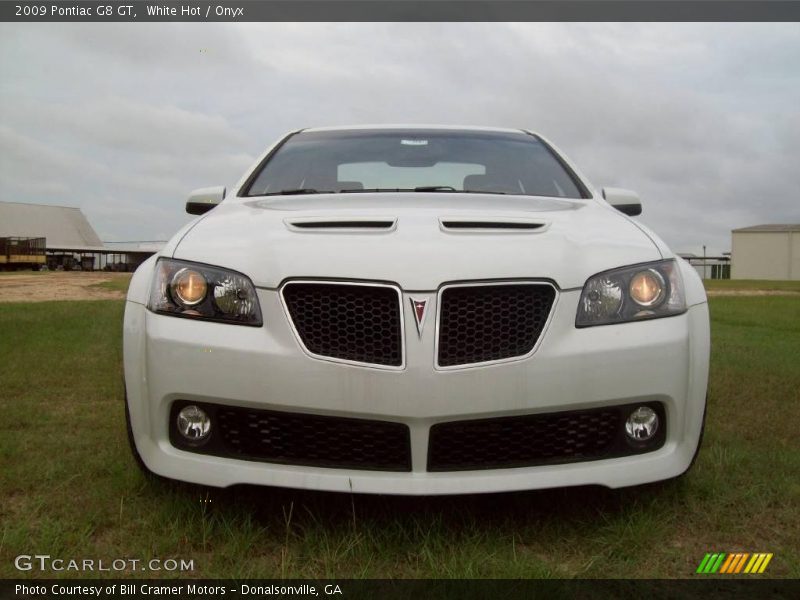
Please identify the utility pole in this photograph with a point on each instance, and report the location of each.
(704, 261)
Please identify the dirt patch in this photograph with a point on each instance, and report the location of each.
(752, 293)
(57, 285)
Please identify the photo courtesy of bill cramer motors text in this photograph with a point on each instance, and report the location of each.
(100, 590)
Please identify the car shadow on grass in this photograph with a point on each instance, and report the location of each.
(563, 532)
(336, 509)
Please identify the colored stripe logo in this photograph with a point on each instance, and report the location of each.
(734, 563)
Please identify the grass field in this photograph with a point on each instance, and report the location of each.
(118, 284)
(70, 488)
(752, 284)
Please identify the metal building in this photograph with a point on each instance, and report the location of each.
(710, 267)
(70, 241)
(766, 252)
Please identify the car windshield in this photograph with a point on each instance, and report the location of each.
(414, 160)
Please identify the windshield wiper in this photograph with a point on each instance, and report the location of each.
(297, 191)
(358, 190)
(422, 188)
(487, 192)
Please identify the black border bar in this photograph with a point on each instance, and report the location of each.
(405, 11)
(705, 587)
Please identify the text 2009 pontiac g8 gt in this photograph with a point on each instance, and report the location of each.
(415, 310)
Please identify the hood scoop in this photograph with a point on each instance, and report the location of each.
(341, 224)
(492, 225)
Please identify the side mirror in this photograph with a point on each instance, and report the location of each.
(625, 201)
(203, 200)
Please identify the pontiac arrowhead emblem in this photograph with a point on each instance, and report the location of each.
(420, 308)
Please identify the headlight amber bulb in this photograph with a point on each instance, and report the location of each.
(189, 287)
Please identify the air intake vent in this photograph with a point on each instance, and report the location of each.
(352, 322)
(491, 225)
(531, 440)
(343, 224)
(481, 323)
(301, 439)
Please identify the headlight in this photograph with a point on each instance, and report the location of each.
(185, 289)
(647, 288)
(634, 293)
(188, 287)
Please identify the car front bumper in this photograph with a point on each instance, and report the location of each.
(170, 359)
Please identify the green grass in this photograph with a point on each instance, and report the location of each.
(119, 283)
(752, 284)
(70, 488)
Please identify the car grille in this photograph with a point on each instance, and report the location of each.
(302, 439)
(532, 440)
(488, 322)
(359, 323)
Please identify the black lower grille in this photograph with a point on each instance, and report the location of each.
(360, 323)
(301, 439)
(481, 323)
(532, 440)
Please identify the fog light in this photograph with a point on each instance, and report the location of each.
(642, 424)
(193, 423)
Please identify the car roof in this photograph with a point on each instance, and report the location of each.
(412, 127)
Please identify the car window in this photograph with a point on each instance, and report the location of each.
(390, 160)
(376, 174)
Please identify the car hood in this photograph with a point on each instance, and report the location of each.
(405, 238)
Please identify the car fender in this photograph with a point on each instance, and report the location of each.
(692, 283)
(139, 288)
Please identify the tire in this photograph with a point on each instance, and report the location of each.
(700, 439)
(699, 443)
(148, 474)
(132, 443)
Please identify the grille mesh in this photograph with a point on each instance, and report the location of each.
(302, 439)
(350, 322)
(525, 441)
(491, 322)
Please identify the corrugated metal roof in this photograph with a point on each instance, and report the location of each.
(780, 228)
(64, 227)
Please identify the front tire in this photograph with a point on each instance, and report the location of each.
(699, 443)
(148, 474)
(132, 443)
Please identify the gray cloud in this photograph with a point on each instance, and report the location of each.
(124, 119)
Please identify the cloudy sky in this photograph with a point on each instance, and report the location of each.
(123, 120)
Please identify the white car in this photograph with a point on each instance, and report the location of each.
(415, 310)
